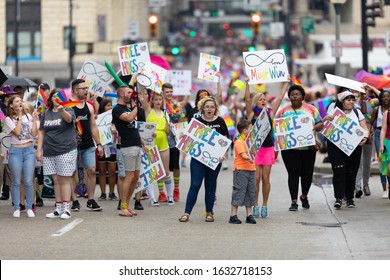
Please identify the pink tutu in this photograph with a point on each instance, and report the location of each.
(265, 156)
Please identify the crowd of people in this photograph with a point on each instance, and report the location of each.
(67, 140)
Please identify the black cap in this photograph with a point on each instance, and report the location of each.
(44, 86)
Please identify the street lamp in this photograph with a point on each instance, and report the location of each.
(337, 7)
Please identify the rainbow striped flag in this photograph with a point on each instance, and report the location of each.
(322, 105)
(42, 98)
(60, 97)
(70, 104)
(230, 125)
(79, 127)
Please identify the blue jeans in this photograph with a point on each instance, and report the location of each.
(22, 161)
(198, 172)
(377, 142)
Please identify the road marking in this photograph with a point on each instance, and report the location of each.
(68, 227)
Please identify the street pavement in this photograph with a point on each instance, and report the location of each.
(320, 233)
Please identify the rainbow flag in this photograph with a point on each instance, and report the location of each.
(79, 127)
(60, 97)
(296, 81)
(322, 105)
(70, 104)
(230, 125)
(42, 97)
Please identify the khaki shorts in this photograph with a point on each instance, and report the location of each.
(132, 158)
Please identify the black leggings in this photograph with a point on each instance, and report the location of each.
(299, 163)
(344, 169)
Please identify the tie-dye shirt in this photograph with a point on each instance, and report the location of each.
(288, 110)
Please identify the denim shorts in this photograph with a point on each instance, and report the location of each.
(131, 158)
(88, 158)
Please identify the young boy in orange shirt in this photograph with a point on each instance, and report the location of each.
(244, 177)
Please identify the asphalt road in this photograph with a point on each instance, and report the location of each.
(320, 233)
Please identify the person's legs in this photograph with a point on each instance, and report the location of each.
(210, 184)
(338, 161)
(292, 163)
(112, 176)
(102, 166)
(197, 171)
(377, 146)
(266, 174)
(352, 166)
(308, 159)
(29, 160)
(366, 162)
(14, 162)
(89, 163)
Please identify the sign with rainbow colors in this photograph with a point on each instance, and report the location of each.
(203, 143)
(343, 131)
(178, 129)
(103, 123)
(208, 67)
(152, 169)
(268, 66)
(156, 77)
(96, 76)
(146, 131)
(181, 81)
(258, 134)
(133, 57)
(294, 131)
(230, 125)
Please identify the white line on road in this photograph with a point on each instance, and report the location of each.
(68, 227)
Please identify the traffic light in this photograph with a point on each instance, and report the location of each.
(175, 51)
(256, 21)
(373, 10)
(153, 21)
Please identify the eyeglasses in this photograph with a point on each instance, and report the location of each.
(83, 88)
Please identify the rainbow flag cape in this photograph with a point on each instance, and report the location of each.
(79, 127)
(230, 125)
(70, 104)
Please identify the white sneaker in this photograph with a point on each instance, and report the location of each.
(154, 203)
(65, 215)
(30, 213)
(53, 215)
(16, 213)
(384, 194)
(171, 202)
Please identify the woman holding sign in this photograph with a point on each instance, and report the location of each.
(299, 162)
(208, 108)
(345, 167)
(265, 157)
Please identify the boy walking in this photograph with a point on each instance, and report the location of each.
(244, 176)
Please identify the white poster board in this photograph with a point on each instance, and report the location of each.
(152, 169)
(344, 132)
(133, 57)
(268, 66)
(96, 76)
(294, 131)
(344, 82)
(258, 134)
(152, 77)
(178, 128)
(181, 81)
(146, 131)
(209, 66)
(103, 123)
(203, 143)
(5, 145)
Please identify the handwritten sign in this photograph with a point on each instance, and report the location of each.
(203, 143)
(146, 131)
(5, 145)
(344, 82)
(133, 57)
(178, 128)
(294, 131)
(258, 134)
(152, 169)
(152, 77)
(209, 66)
(344, 132)
(96, 76)
(181, 81)
(266, 66)
(103, 123)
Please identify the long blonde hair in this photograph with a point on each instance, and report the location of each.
(256, 98)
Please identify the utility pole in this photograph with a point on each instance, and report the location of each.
(70, 40)
(364, 36)
(16, 33)
(287, 36)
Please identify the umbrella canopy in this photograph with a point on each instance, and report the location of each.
(19, 81)
(158, 60)
(377, 81)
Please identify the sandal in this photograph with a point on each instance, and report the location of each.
(125, 213)
(209, 218)
(132, 212)
(185, 218)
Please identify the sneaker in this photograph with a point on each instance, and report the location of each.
(30, 213)
(176, 194)
(103, 196)
(39, 202)
(359, 193)
(305, 202)
(384, 194)
(338, 203)
(65, 215)
(93, 206)
(4, 197)
(154, 203)
(350, 203)
(250, 220)
(264, 212)
(34, 208)
(144, 195)
(256, 212)
(75, 205)
(366, 190)
(162, 197)
(138, 205)
(224, 166)
(171, 202)
(22, 208)
(293, 207)
(234, 220)
(183, 163)
(112, 196)
(16, 213)
(53, 215)
(119, 205)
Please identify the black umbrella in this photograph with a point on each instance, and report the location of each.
(19, 81)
